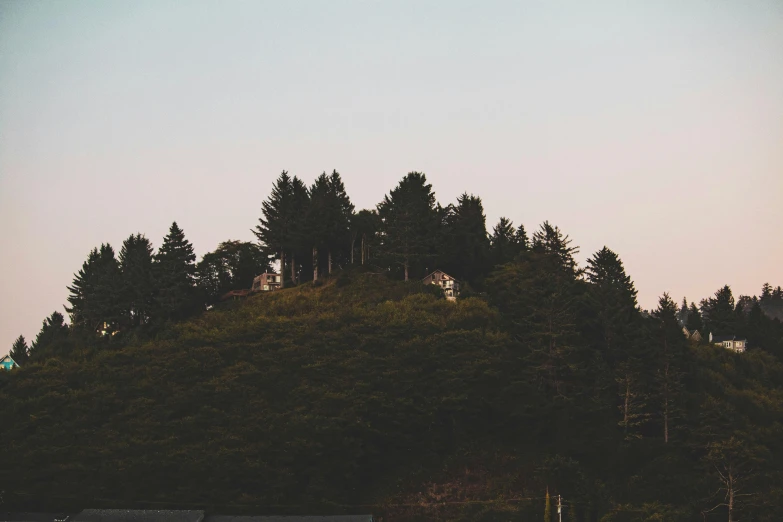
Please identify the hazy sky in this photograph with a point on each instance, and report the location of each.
(655, 128)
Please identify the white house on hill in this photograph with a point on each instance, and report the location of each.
(729, 342)
(449, 285)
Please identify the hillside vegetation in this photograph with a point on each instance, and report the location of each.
(357, 388)
(362, 393)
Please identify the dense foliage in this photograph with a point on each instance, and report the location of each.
(357, 390)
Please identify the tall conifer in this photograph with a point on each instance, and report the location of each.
(175, 274)
(409, 225)
(20, 351)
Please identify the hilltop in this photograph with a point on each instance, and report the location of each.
(364, 391)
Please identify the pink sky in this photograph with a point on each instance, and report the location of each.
(656, 130)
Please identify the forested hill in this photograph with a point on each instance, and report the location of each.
(363, 393)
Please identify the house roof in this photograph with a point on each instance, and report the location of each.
(138, 515)
(337, 518)
(438, 271)
(8, 358)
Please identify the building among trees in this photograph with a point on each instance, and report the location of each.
(730, 342)
(7, 363)
(449, 285)
(266, 282)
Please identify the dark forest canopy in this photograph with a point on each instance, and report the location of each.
(356, 384)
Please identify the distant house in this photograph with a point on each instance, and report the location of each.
(449, 285)
(234, 294)
(266, 282)
(7, 363)
(730, 342)
(693, 336)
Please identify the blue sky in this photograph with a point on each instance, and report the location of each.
(652, 128)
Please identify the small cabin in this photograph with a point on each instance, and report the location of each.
(7, 363)
(694, 336)
(266, 282)
(449, 285)
(730, 342)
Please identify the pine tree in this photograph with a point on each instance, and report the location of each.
(318, 220)
(503, 243)
(275, 230)
(175, 274)
(694, 319)
(613, 299)
(20, 351)
(298, 242)
(670, 367)
(719, 313)
(682, 314)
(409, 225)
(96, 292)
(138, 285)
(339, 210)
(52, 339)
(521, 239)
(465, 245)
(766, 292)
(364, 231)
(82, 310)
(549, 239)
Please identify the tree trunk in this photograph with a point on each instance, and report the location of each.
(406, 269)
(353, 247)
(293, 269)
(627, 403)
(315, 263)
(329, 260)
(666, 404)
(282, 268)
(731, 497)
(363, 248)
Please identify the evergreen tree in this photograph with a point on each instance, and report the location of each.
(20, 351)
(96, 292)
(409, 225)
(540, 303)
(682, 314)
(550, 240)
(694, 319)
(503, 243)
(175, 274)
(719, 313)
(613, 301)
(52, 339)
(318, 220)
(299, 243)
(364, 231)
(521, 239)
(276, 224)
(766, 292)
(671, 350)
(82, 309)
(465, 245)
(138, 285)
(339, 210)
